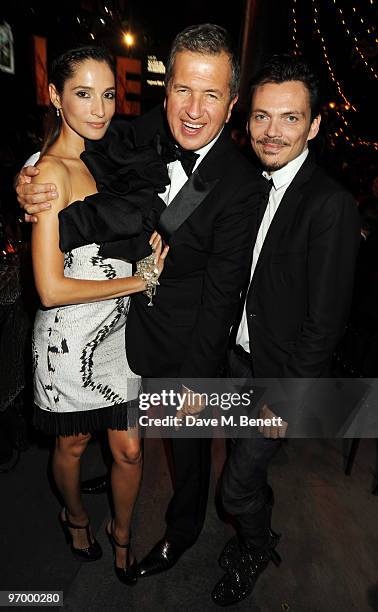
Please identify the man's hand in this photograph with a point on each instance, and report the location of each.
(274, 430)
(193, 405)
(33, 198)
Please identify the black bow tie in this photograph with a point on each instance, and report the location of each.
(171, 152)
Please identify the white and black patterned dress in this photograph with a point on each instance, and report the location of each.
(82, 381)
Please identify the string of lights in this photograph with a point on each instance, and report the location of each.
(344, 132)
(326, 56)
(356, 47)
(294, 36)
(344, 129)
(370, 30)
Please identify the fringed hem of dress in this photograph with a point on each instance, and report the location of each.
(119, 417)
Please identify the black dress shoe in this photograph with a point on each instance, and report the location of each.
(242, 575)
(161, 558)
(94, 486)
(231, 552)
(233, 549)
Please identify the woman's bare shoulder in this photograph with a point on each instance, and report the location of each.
(52, 164)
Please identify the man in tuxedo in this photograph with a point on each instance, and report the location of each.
(297, 301)
(209, 222)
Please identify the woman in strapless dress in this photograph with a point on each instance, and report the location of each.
(82, 380)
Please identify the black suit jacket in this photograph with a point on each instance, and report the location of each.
(302, 286)
(185, 333)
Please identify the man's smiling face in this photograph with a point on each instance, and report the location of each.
(198, 102)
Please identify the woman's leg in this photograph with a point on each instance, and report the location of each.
(125, 478)
(66, 470)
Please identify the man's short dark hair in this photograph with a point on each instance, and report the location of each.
(208, 39)
(286, 67)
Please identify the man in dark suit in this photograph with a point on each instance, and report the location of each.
(297, 301)
(185, 334)
(209, 222)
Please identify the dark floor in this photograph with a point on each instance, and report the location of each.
(329, 544)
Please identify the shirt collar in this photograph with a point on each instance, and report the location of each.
(285, 175)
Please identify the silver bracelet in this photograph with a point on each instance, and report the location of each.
(148, 271)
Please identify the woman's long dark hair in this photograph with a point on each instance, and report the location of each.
(63, 68)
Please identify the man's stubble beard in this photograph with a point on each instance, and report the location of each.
(274, 165)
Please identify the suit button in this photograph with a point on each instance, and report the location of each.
(252, 315)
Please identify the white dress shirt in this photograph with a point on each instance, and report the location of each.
(177, 174)
(281, 180)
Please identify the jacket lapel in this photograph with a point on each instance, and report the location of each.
(185, 203)
(200, 184)
(289, 203)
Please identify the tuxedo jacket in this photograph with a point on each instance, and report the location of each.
(302, 286)
(185, 333)
(209, 226)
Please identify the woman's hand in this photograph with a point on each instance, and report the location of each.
(160, 253)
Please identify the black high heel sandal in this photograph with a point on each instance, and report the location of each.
(92, 552)
(128, 574)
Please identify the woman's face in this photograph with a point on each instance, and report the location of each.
(87, 103)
